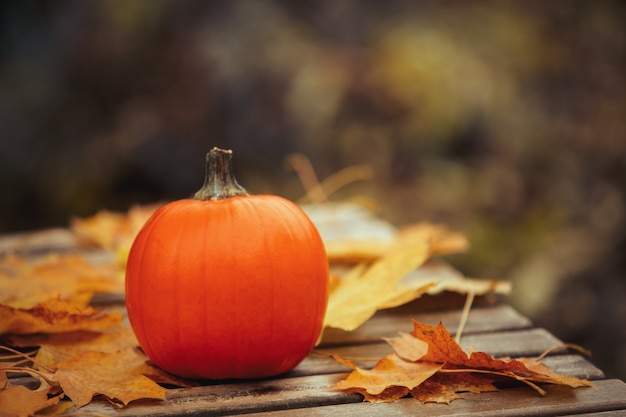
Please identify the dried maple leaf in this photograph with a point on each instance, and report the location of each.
(19, 401)
(447, 278)
(60, 347)
(453, 370)
(55, 316)
(444, 349)
(443, 388)
(352, 233)
(86, 363)
(27, 283)
(395, 279)
(390, 379)
(116, 375)
(361, 292)
(111, 230)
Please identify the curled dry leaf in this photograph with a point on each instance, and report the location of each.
(117, 375)
(55, 316)
(112, 230)
(84, 364)
(19, 401)
(60, 347)
(390, 379)
(359, 294)
(440, 372)
(353, 234)
(27, 283)
(395, 279)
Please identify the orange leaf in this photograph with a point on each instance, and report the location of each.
(19, 401)
(442, 348)
(432, 367)
(408, 347)
(444, 387)
(54, 316)
(110, 230)
(59, 347)
(117, 375)
(68, 277)
(390, 379)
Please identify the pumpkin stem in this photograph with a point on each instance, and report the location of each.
(219, 182)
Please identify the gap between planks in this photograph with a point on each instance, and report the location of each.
(481, 320)
(311, 396)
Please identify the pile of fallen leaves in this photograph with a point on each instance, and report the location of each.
(53, 334)
(429, 365)
(61, 352)
(64, 347)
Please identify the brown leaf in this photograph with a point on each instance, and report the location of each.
(111, 230)
(84, 355)
(408, 347)
(4, 380)
(453, 371)
(352, 233)
(445, 387)
(60, 347)
(67, 277)
(54, 316)
(442, 348)
(116, 375)
(19, 401)
(390, 379)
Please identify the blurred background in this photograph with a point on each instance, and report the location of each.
(504, 119)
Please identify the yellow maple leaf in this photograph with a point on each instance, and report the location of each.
(356, 296)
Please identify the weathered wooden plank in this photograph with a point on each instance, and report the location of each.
(238, 398)
(605, 396)
(366, 356)
(481, 319)
(287, 392)
(520, 343)
(574, 365)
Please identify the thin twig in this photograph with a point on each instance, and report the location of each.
(344, 177)
(26, 357)
(318, 192)
(303, 168)
(31, 372)
(572, 346)
(464, 315)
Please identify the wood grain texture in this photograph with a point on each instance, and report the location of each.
(605, 396)
(494, 328)
(481, 319)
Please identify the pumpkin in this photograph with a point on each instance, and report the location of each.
(227, 284)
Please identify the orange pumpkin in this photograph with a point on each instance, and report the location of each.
(227, 285)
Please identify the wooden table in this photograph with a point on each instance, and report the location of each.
(492, 327)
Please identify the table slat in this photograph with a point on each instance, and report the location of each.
(604, 396)
(481, 319)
